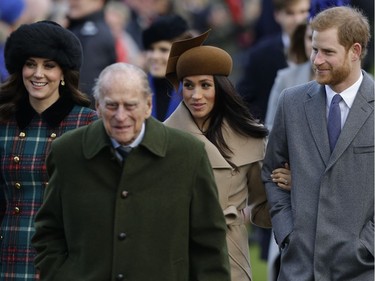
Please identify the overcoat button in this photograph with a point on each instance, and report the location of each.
(16, 210)
(124, 194)
(16, 159)
(53, 135)
(22, 135)
(122, 236)
(17, 185)
(120, 277)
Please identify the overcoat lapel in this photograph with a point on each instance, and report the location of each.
(95, 139)
(315, 108)
(242, 147)
(186, 123)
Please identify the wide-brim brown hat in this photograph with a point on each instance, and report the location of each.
(189, 57)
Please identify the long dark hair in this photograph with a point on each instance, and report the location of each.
(230, 106)
(13, 89)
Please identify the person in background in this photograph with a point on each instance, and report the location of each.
(157, 42)
(145, 196)
(261, 63)
(39, 102)
(298, 73)
(11, 15)
(235, 142)
(268, 55)
(86, 20)
(324, 129)
(117, 16)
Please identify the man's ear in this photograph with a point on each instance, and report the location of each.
(356, 51)
(97, 107)
(149, 106)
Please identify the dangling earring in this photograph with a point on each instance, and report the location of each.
(62, 83)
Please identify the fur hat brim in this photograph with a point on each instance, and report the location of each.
(43, 39)
(165, 28)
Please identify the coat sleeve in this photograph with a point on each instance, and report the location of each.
(276, 155)
(208, 248)
(273, 99)
(49, 239)
(257, 199)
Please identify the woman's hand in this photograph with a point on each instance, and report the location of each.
(282, 177)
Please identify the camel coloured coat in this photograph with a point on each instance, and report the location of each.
(237, 189)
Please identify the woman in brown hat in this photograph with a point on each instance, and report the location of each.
(39, 101)
(235, 142)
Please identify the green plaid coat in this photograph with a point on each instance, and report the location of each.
(24, 144)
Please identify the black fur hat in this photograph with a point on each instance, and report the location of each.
(165, 28)
(43, 39)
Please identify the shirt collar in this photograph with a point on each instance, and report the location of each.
(135, 143)
(348, 95)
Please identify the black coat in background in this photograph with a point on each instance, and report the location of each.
(263, 61)
(98, 48)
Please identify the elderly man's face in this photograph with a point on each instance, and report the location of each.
(123, 108)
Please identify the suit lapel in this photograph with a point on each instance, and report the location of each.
(315, 109)
(358, 115)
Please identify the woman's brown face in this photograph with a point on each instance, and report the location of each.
(199, 96)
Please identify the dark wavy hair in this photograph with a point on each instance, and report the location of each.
(13, 89)
(230, 106)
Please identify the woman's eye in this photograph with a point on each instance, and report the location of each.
(188, 85)
(206, 85)
(50, 65)
(29, 64)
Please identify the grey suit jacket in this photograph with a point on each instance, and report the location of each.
(325, 225)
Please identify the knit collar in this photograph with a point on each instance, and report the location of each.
(53, 115)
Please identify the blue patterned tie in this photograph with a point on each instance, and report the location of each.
(334, 121)
(124, 151)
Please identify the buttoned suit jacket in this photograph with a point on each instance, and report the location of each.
(325, 225)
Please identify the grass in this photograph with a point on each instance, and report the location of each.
(258, 266)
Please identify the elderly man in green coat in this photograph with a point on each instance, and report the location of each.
(148, 214)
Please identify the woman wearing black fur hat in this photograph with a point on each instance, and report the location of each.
(39, 101)
(157, 41)
(213, 112)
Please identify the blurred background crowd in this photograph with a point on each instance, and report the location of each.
(236, 25)
(111, 31)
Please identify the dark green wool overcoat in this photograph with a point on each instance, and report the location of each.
(155, 218)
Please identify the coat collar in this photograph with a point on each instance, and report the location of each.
(245, 149)
(96, 139)
(52, 115)
(93, 17)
